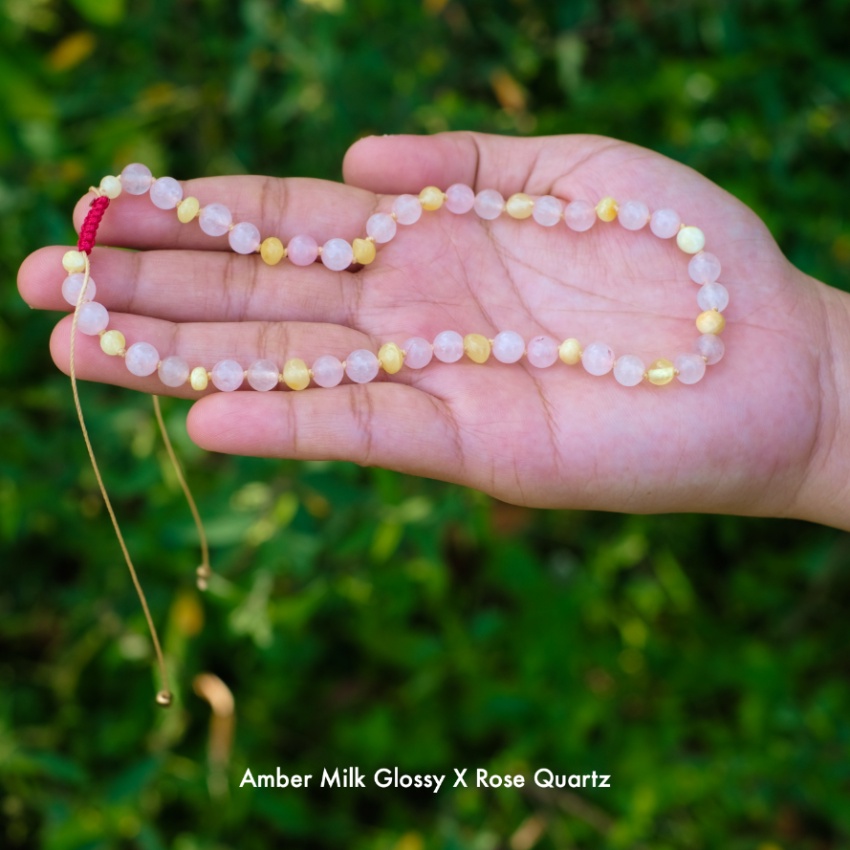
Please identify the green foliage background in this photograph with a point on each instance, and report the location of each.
(364, 618)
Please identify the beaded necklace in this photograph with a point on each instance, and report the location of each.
(362, 365)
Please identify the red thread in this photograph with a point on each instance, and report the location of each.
(88, 231)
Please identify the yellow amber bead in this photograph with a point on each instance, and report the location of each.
(296, 375)
(391, 358)
(690, 239)
(364, 251)
(570, 351)
(111, 187)
(74, 262)
(431, 198)
(199, 378)
(272, 251)
(606, 209)
(519, 205)
(477, 348)
(711, 322)
(113, 342)
(661, 372)
(188, 209)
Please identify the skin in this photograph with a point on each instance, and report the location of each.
(764, 433)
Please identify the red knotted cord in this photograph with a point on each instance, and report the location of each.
(88, 232)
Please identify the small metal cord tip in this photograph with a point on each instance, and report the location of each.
(163, 698)
(203, 574)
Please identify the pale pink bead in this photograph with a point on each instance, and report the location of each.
(244, 238)
(459, 198)
(263, 375)
(448, 346)
(713, 296)
(711, 347)
(227, 375)
(597, 358)
(542, 351)
(302, 250)
(691, 368)
(417, 352)
(381, 227)
(72, 285)
(327, 371)
(166, 193)
(628, 370)
(547, 210)
(92, 318)
(337, 254)
(489, 204)
(136, 179)
(407, 209)
(704, 267)
(141, 359)
(361, 366)
(665, 223)
(508, 347)
(633, 215)
(173, 371)
(580, 215)
(215, 219)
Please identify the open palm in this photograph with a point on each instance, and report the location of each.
(741, 440)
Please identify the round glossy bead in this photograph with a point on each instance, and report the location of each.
(173, 371)
(711, 322)
(665, 223)
(431, 198)
(579, 215)
(542, 351)
(188, 209)
(244, 238)
(570, 351)
(519, 206)
(633, 215)
(361, 366)
(337, 255)
(199, 378)
(141, 359)
(302, 250)
(111, 187)
(263, 375)
(711, 347)
(112, 343)
(391, 358)
(690, 239)
(215, 219)
(327, 371)
(448, 346)
(691, 368)
(459, 198)
(407, 209)
(489, 204)
(597, 358)
(296, 375)
(74, 261)
(628, 370)
(136, 179)
(92, 318)
(547, 210)
(713, 296)
(381, 227)
(606, 209)
(508, 347)
(661, 372)
(704, 267)
(477, 348)
(272, 250)
(166, 193)
(227, 375)
(72, 285)
(364, 251)
(417, 352)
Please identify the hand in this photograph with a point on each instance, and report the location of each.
(753, 437)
